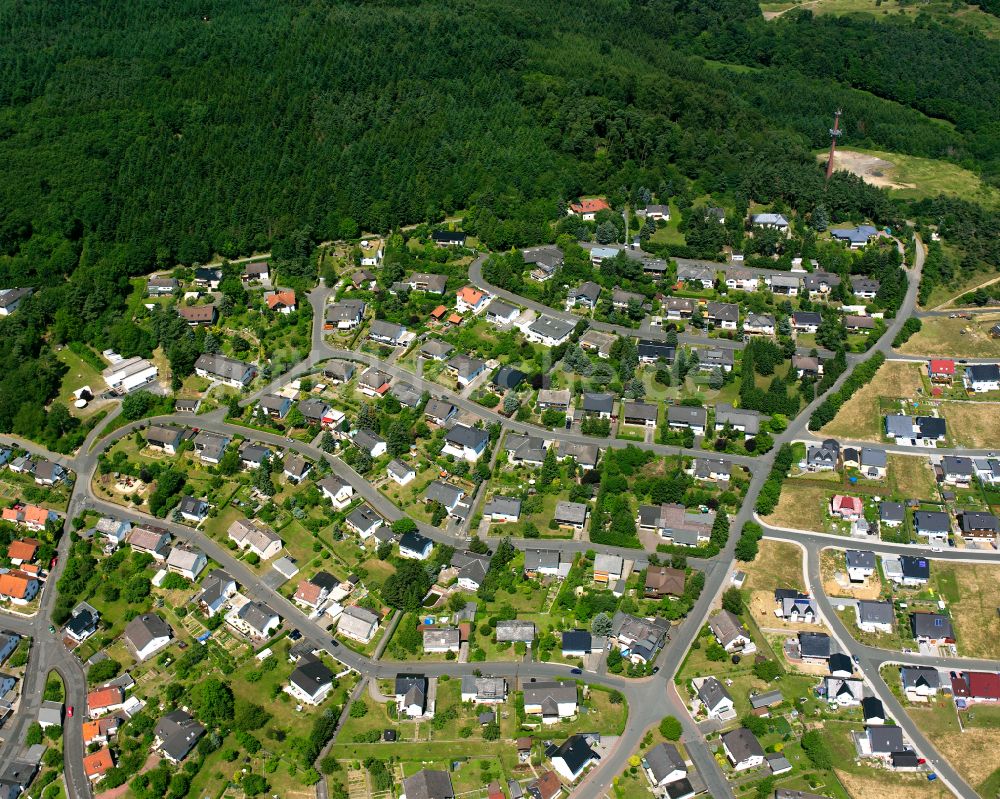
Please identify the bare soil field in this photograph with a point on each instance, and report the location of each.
(943, 336)
(881, 785)
(870, 168)
(832, 561)
(859, 418)
(802, 506)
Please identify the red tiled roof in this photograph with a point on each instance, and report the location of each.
(590, 206)
(438, 312)
(984, 685)
(942, 367)
(15, 584)
(98, 763)
(104, 697)
(22, 549)
(281, 298)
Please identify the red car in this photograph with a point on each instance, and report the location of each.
(69, 711)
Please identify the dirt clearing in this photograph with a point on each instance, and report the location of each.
(955, 338)
(860, 418)
(871, 169)
(832, 562)
(802, 507)
(881, 785)
(912, 477)
(974, 612)
(972, 424)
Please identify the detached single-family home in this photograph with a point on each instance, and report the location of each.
(186, 562)
(552, 700)
(759, 324)
(216, 589)
(311, 681)
(502, 509)
(864, 287)
(716, 700)
(874, 616)
(663, 581)
(846, 507)
(770, 220)
(249, 534)
(932, 628)
(730, 633)
(843, 692)
(514, 631)
(806, 321)
(586, 294)
(256, 619)
(400, 473)
(642, 414)
(484, 690)
(466, 442)
(572, 757)
(860, 564)
(18, 587)
(549, 331)
(386, 332)
(104, 700)
(448, 238)
(982, 377)
(428, 784)
(465, 369)
(97, 764)
(370, 442)
(344, 315)
(445, 494)
(146, 635)
(501, 313)
(979, 527)
(358, 624)
(442, 639)
(681, 417)
(934, 524)
(415, 546)
(571, 514)
(587, 209)
(855, 237)
(411, 695)
(364, 521)
(919, 682)
(725, 315)
(176, 734)
(891, 514)
(541, 563)
(814, 647)
(545, 260)
(941, 370)
(742, 748)
(957, 470)
(824, 457)
(337, 490)
(153, 541)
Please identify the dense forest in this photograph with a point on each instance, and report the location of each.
(138, 135)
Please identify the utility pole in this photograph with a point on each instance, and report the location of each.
(835, 132)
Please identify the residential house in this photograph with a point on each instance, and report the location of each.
(541, 563)
(916, 570)
(979, 527)
(794, 606)
(806, 365)
(663, 581)
(872, 710)
(176, 734)
(427, 784)
(571, 758)
(364, 521)
(415, 546)
(571, 514)
(400, 473)
(547, 786)
(146, 635)
(742, 748)
(806, 321)
(855, 237)
(198, 315)
(552, 700)
(741, 279)
(484, 690)
(957, 470)
(587, 209)
(608, 569)
(471, 571)
(934, 524)
(919, 682)
(932, 628)
(411, 695)
(622, 300)
(249, 534)
(317, 412)
(920, 430)
(441, 639)
(161, 286)
(153, 541)
(430, 284)
(848, 508)
(651, 351)
(97, 764)
(759, 324)
(824, 457)
(386, 332)
(678, 308)
(296, 468)
(702, 276)
(448, 238)
(642, 414)
(600, 406)
(713, 358)
(337, 490)
(501, 313)
(502, 509)
(740, 419)
(544, 260)
(599, 255)
(228, 371)
(166, 438)
(18, 587)
(445, 494)
(82, 624)
(891, 514)
(973, 687)
(859, 324)
(675, 523)
(514, 631)
(186, 562)
(786, 285)
(874, 616)
(311, 681)
(193, 510)
(981, 378)
(820, 284)
(256, 619)
(639, 639)
(216, 589)
(585, 455)
(683, 417)
(586, 294)
(770, 220)
(439, 412)
(716, 700)
(843, 692)
(128, 374)
(465, 369)
(344, 315)
(468, 443)
(941, 370)
(370, 442)
(358, 624)
(814, 647)
(210, 446)
(508, 378)
(725, 315)
(549, 331)
(207, 277)
(716, 469)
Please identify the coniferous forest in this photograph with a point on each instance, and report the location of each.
(135, 135)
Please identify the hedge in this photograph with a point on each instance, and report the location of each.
(861, 376)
